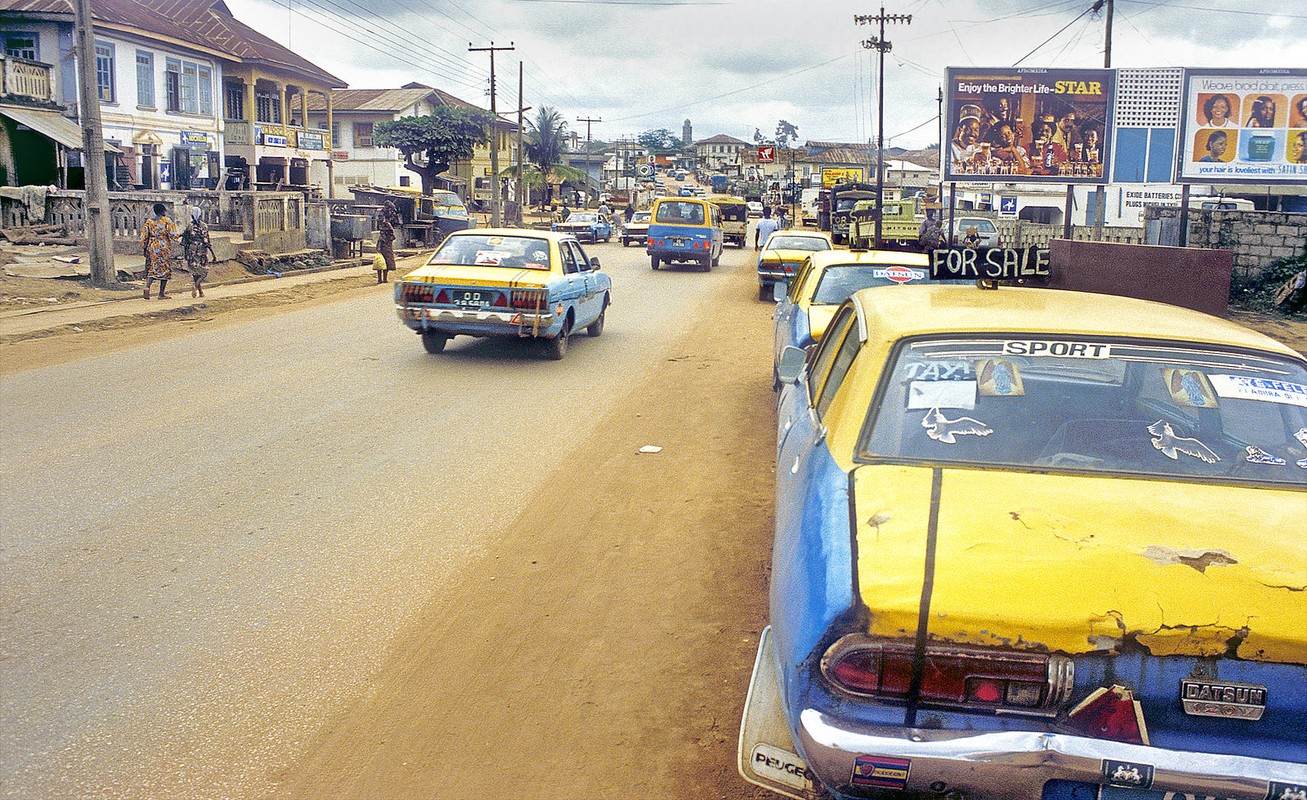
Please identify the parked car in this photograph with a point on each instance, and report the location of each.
(782, 255)
(589, 226)
(519, 283)
(1039, 545)
(824, 281)
(985, 235)
(637, 230)
(755, 208)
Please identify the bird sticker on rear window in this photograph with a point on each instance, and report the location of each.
(941, 429)
(1170, 445)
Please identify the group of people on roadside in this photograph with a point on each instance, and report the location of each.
(159, 234)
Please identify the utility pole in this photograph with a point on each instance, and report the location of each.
(521, 154)
(496, 201)
(99, 241)
(1100, 198)
(587, 121)
(879, 44)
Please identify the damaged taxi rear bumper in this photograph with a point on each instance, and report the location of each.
(479, 322)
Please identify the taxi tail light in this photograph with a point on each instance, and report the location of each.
(974, 678)
(417, 293)
(527, 299)
(1109, 713)
(443, 297)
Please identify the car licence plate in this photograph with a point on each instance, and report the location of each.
(678, 242)
(472, 299)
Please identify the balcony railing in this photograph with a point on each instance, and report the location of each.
(26, 78)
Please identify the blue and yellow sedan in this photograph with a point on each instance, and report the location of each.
(523, 284)
(588, 226)
(825, 280)
(1035, 544)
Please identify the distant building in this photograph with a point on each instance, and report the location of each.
(720, 153)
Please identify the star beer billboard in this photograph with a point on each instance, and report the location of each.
(1028, 125)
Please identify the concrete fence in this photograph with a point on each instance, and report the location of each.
(1256, 239)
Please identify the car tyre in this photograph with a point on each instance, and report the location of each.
(765, 292)
(433, 342)
(705, 264)
(556, 347)
(596, 328)
(717, 259)
(653, 262)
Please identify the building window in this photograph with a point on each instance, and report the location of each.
(235, 101)
(173, 84)
(363, 134)
(144, 79)
(335, 133)
(267, 107)
(21, 44)
(104, 72)
(190, 87)
(205, 90)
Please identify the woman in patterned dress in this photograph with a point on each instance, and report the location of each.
(197, 249)
(157, 237)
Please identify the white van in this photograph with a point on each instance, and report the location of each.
(808, 205)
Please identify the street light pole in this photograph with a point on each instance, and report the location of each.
(99, 239)
(587, 121)
(879, 44)
(495, 201)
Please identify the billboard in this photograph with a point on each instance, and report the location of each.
(1243, 126)
(1044, 125)
(833, 175)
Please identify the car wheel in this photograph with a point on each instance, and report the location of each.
(653, 262)
(626, 242)
(765, 292)
(705, 265)
(556, 347)
(596, 328)
(717, 259)
(433, 342)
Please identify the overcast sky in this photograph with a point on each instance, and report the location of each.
(733, 66)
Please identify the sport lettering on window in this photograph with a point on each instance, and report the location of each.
(1052, 349)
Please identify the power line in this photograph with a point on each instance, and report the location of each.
(1054, 36)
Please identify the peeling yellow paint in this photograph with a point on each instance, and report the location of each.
(1075, 563)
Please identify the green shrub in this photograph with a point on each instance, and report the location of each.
(1257, 293)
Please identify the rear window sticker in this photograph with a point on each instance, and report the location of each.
(899, 274)
(441, 260)
(1257, 455)
(1043, 348)
(491, 258)
(1189, 388)
(941, 394)
(1302, 463)
(1000, 378)
(534, 265)
(1301, 436)
(495, 240)
(1165, 440)
(941, 371)
(946, 430)
(1265, 389)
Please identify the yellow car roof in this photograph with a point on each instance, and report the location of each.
(919, 310)
(532, 233)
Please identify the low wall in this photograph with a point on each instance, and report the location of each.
(1022, 233)
(1255, 239)
(1181, 276)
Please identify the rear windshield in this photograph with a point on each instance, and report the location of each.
(809, 243)
(839, 281)
(518, 252)
(981, 225)
(582, 216)
(640, 216)
(1093, 405)
(679, 213)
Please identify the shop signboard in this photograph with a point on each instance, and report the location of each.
(1243, 126)
(310, 140)
(1044, 125)
(195, 140)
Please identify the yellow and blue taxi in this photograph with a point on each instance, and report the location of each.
(684, 230)
(525, 284)
(828, 278)
(1035, 544)
(783, 254)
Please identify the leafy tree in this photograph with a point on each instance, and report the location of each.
(785, 132)
(431, 143)
(545, 136)
(660, 141)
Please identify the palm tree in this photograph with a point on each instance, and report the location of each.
(544, 143)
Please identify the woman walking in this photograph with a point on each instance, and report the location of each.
(157, 237)
(197, 249)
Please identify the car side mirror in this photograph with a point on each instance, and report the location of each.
(793, 360)
(779, 291)
(594, 262)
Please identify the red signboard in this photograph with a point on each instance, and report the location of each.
(766, 155)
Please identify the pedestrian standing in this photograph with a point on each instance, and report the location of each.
(930, 233)
(764, 229)
(157, 237)
(197, 249)
(628, 213)
(386, 240)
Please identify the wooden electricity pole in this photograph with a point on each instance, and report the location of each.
(96, 204)
(496, 218)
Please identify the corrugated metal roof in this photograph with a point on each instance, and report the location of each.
(370, 100)
(722, 138)
(206, 24)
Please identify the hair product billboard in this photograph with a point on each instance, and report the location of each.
(1043, 125)
(1243, 126)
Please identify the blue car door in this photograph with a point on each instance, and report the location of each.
(590, 302)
